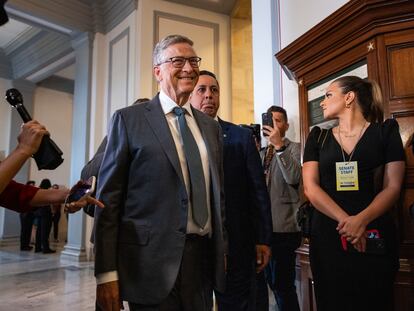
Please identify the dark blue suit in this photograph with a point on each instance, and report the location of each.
(248, 215)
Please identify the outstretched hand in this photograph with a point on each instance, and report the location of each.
(75, 206)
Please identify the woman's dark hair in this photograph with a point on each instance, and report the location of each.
(45, 184)
(368, 95)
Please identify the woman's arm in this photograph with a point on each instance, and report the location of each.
(54, 196)
(49, 196)
(315, 194)
(28, 143)
(353, 227)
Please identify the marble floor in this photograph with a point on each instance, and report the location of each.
(44, 282)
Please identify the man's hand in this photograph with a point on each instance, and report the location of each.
(73, 207)
(107, 296)
(273, 135)
(30, 137)
(263, 254)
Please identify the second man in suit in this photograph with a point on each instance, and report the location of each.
(248, 218)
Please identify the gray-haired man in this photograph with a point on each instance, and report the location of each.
(160, 244)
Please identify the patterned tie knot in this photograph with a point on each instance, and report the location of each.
(179, 111)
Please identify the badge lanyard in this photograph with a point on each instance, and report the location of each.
(347, 171)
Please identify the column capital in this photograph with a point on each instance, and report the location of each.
(80, 39)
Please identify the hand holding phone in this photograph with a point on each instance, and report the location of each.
(267, 119)
(82, 189)
(374, 243)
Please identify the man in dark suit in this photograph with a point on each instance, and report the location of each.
(161, 243)
(248, 218)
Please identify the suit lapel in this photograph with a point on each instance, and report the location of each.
(158, 123)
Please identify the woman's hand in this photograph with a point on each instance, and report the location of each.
(353, 229)
(360, 246)
(30, 137)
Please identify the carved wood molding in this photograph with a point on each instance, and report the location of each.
(354, 23)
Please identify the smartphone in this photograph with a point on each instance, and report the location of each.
(267, 119)
(81, 189)
(374, 244)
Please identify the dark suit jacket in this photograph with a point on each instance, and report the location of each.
(92, 169)
(248, 213)
(141, 232)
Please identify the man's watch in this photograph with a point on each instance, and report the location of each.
(281, 149)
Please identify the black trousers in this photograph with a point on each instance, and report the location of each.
(281, 271)
(26, 221)
(43, 228)
(193, 290)
(262, 296)
(240, 294)
(56, 219)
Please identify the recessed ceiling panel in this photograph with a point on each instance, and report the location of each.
(10, 31)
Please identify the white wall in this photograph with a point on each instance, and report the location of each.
(54, 110)
(199, 26)
(276, 24)
(122, 59)
(5, 117)
(294, 22)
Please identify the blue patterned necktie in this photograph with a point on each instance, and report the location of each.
(195, 169)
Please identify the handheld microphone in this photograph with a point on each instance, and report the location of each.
(49, 156)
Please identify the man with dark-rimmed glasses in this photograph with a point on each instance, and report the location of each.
(161, 244)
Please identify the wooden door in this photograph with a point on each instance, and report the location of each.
(396, 63)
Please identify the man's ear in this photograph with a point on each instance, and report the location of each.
(157, 73)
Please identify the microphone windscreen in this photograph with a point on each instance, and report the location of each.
(3, 14)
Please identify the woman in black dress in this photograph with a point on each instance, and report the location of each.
(352, 175)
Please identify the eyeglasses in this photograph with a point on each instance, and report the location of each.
(179, 62)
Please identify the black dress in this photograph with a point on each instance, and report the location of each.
(344, 280)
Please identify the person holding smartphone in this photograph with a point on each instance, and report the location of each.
(24, 198)
(283, 176)
(353, 180)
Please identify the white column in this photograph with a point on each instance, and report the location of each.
(266, 70)
(75, 247)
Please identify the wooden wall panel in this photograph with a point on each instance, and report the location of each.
(401, 68)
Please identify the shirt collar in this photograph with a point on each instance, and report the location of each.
(167, 104)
